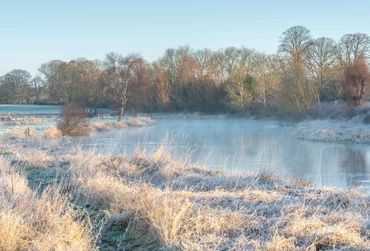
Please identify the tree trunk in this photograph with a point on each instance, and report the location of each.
(121, 113)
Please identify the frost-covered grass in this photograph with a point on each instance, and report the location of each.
(338, 123)
(140, 121)
(156, 202)
(353, 130)
(18, 121)
(30, 132)
(193, 208)
(31, 221)
(25, 127)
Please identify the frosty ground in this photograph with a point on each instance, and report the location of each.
(57, 198)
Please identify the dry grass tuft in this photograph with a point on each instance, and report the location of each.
(280, 243)
(323, 234)
(101, 126)
(262, 196)
(140, 121)
(20, 133)
(32, 222)
(52, 133)
(14, 234)
(33, 158)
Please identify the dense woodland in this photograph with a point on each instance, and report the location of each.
(304, 72)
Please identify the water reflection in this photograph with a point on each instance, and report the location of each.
(355, 166)
(354, 161)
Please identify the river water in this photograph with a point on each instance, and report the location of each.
(238, 144)
(244, 144)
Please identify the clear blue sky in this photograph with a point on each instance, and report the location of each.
(36, 31)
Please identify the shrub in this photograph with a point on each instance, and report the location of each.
(355, 80)
(73, 120)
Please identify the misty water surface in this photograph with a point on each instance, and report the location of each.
(233, 144)
(244, 144)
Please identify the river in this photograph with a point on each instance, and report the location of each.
(236, 144)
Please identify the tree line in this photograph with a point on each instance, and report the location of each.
(304, 72)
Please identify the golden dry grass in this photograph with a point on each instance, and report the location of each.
(21, 133)
(29, 221)
(28, 157)
(140, 121)
(101, 126)
(53, 132)
(260, 212)
(155, 202)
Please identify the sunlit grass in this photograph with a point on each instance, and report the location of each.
(154, 201)
(31, 221)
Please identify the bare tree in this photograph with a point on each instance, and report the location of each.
(16, 87)
(117, 75)
(126, 76)
(295, 42)
(37, 84)
(162, 89)
(204, 69)
(321, 57)
(296, 93)
(74, 81)
(321, 62)
(353, 47)
(261, 75)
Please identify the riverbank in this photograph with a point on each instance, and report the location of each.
(46, 128)
(324, 110)
(333, 111)
(153, 201)
(341, 131)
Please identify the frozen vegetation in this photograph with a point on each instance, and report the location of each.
(333, 131)
(336, 123)
(46, 128)
(338, 130)
(68, 199)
